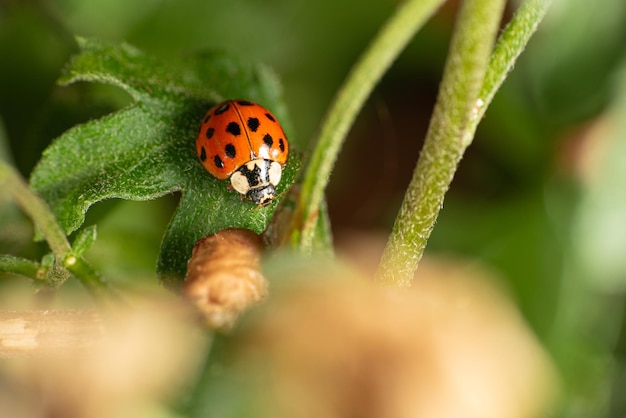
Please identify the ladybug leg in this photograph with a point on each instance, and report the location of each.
(281, 194)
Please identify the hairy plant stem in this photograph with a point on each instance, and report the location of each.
(20, 266)
(456, 106)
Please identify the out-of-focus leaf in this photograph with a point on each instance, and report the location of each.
(600, 232)
(580, 43)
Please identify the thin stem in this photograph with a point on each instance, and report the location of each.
(463, 76)
(94, 283)
(388, 44)
(20, 266)
(38, 211)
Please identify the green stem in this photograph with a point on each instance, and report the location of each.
(94, 283)
(463, 76)
(509, 46)
(20, 266)
(388, 44)
(38, 211)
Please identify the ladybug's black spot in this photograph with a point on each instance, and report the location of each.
(209, 133)
(203, 155)
(230, 150)
(270, 117)
(223, 108)
(206, 118)
(253, 124)
(218, 162)
(233, 129)
(244, 103)
(281, 145)
(268, 140)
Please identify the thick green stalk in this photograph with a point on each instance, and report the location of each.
(471, 46)
(385, 48)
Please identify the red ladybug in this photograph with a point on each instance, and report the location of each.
(243, 141)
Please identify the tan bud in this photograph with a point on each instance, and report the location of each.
(224, 277)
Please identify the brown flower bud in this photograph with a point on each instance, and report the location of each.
(224, 277)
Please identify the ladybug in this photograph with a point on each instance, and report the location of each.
(243, 141)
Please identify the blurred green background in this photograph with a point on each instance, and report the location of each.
(540, 195)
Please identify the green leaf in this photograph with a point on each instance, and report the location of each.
(84, 240)
(147, 150)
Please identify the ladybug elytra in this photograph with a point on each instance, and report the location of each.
(243, 141)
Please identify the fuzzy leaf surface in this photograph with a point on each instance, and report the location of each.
(147, 150)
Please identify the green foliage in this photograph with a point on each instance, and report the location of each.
(147, 149)
(517, 204)
(84, 240)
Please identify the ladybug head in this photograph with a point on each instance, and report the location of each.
(257, 179)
